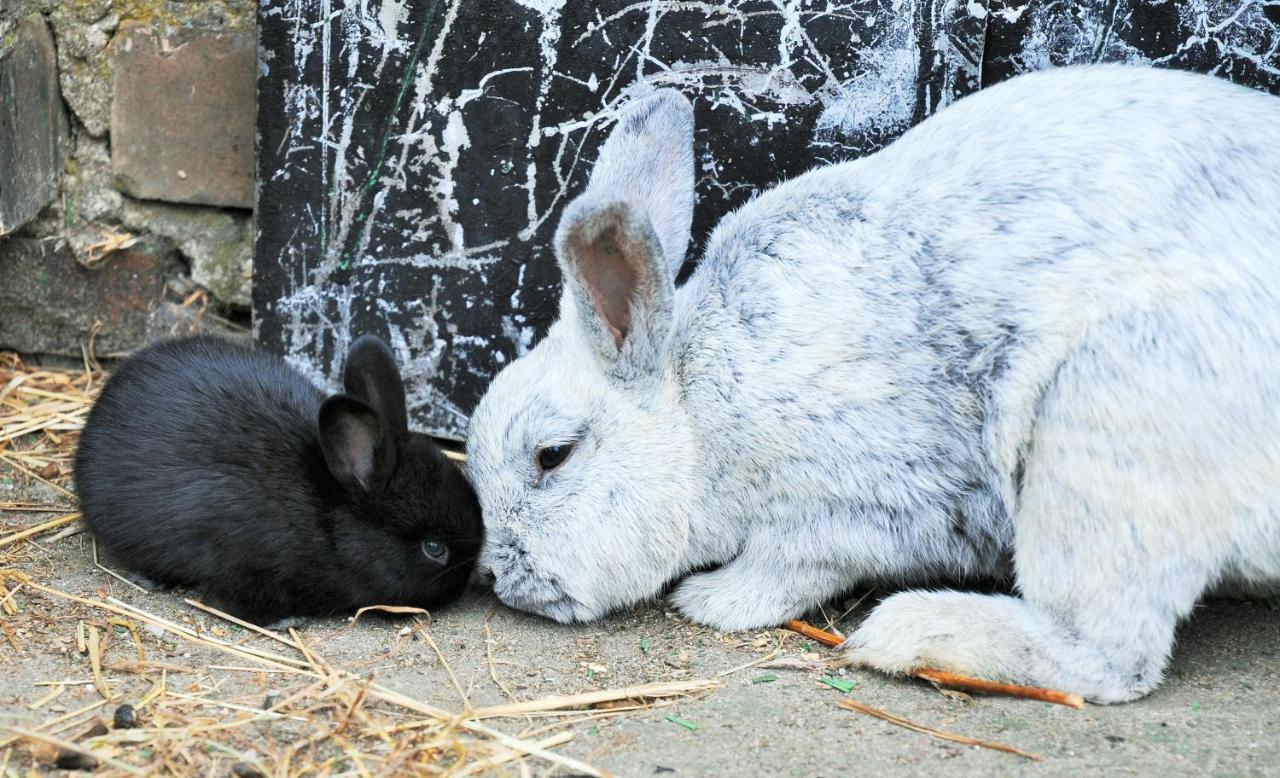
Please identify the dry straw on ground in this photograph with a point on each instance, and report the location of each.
(320, 719)
(304, 715)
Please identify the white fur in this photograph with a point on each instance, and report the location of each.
(1037, 336)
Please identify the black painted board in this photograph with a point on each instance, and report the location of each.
(414, 155)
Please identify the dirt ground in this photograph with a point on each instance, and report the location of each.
(1217, 714)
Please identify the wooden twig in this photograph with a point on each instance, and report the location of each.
(955, 680)
(501, 759)
(37, 529)
(395, 698)
(40, 737)
(10, 461)
(95, 664)
(574, 703)
(238, 622)
(943, 678)
(113, 573)
(813, 633)
(854, 705)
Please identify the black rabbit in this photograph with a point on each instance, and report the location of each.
(215, 466)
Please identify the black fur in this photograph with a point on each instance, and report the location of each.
(216, 466)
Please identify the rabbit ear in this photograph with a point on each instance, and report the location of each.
(371, 375)
(617, 286)
(359, 450)
(621, 242)
(648, 161)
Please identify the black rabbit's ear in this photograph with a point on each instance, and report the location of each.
(358, 448)
(371, 374)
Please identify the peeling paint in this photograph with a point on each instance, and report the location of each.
(416, 153)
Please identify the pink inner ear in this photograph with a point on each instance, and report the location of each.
(611, 265)
(358, 443)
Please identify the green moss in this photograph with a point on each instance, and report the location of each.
(224, 271)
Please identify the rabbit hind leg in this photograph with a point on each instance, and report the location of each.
(1125, 517)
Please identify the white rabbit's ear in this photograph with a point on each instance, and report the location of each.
(618, 290)
(622, 241)
(648, 161)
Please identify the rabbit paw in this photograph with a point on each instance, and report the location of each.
(996, 637)
(909, 631)
(728, 602)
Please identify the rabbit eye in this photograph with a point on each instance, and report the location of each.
(551, 457)
(436, 552)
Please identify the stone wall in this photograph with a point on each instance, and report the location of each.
(126, 170)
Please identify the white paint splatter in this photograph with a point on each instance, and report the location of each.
(881, 98)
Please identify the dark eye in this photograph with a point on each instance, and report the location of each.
(551, 457)
(435, 551)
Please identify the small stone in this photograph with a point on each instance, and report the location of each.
(126, 717)
(74, 760)
(182, 115)
(33, 127)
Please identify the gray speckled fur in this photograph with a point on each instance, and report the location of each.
(1038, 335)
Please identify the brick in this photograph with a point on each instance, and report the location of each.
(182, 115)
(32, 124)
(50, 303)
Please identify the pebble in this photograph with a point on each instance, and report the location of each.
(126, 717)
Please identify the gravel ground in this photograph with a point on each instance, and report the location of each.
(1217, 714)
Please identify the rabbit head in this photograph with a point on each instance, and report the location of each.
(407, 521)
(580, 450)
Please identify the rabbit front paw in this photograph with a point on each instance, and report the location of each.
(729, 602)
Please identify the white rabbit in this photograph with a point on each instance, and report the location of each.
(1037, 337)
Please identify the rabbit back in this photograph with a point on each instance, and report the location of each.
(198, 456)
(883, 330)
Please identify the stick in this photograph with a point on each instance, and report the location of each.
(113, 573)
(854, 705)
(124, 609)
(395, 698)
(40, 737)
(573, 703)
(37, 529)
(813, 633)
(95, 664)
(247, 625)
(426, 633)
(130, 610)
(33, 507)
(10, 461)
(943, 678)
(501, 759)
